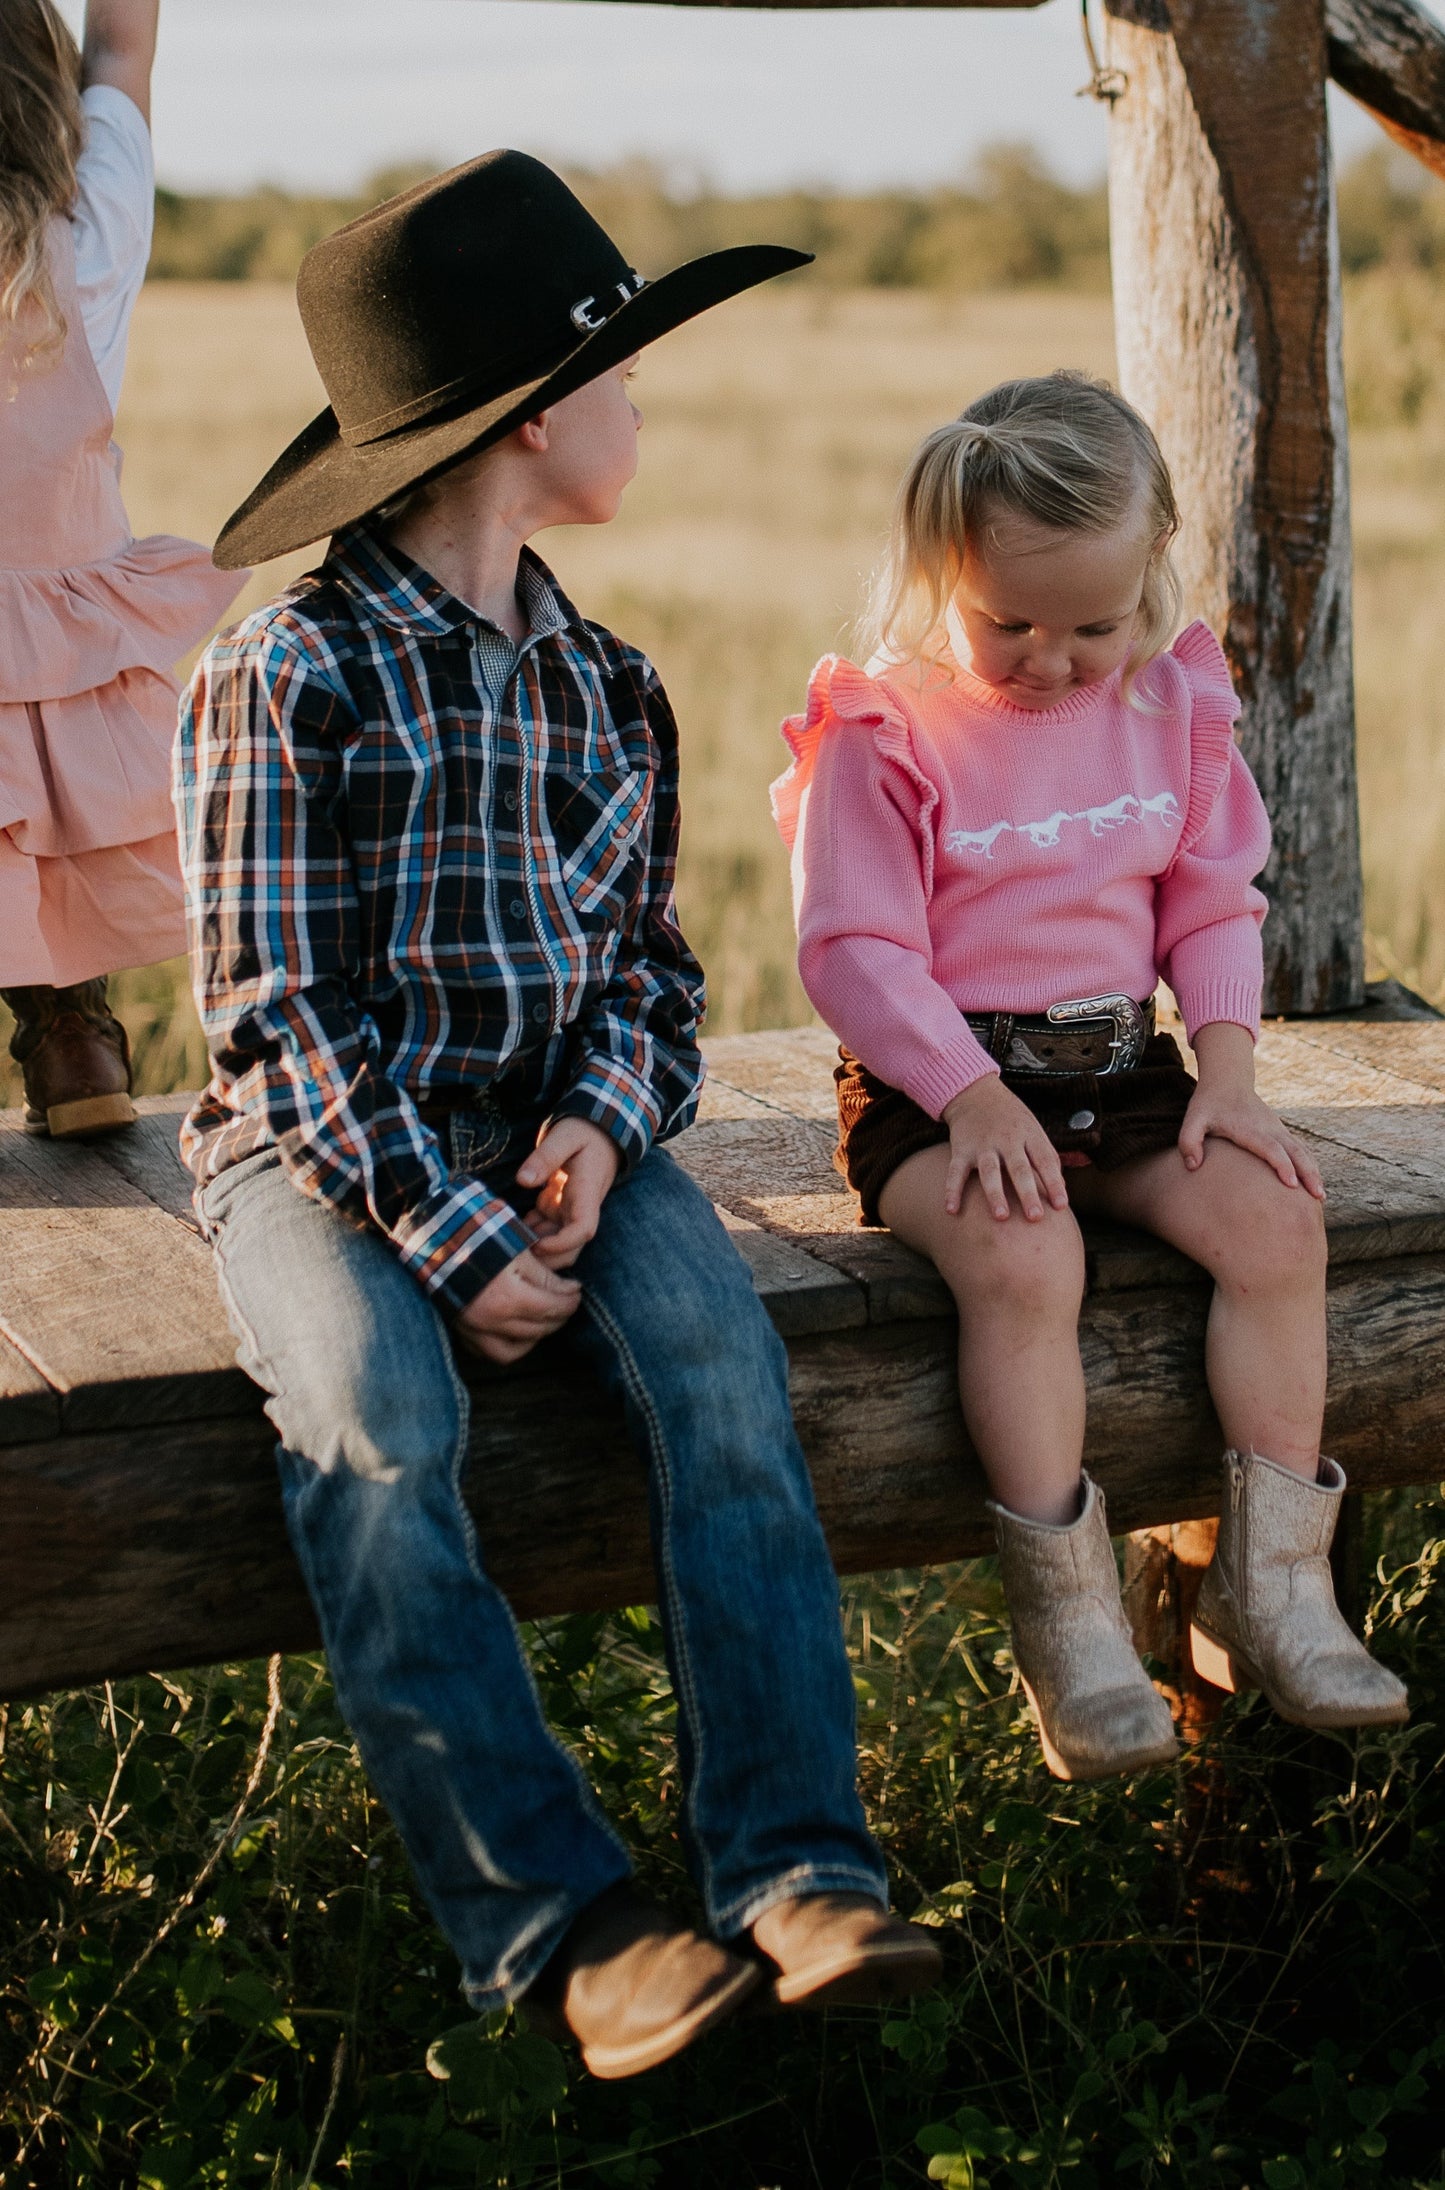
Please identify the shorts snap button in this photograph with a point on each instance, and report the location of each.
(1081, 1121)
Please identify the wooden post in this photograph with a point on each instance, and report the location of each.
(1227, 307)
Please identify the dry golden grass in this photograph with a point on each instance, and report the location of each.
(776, 430)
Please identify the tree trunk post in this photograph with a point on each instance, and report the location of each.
(1227, 309)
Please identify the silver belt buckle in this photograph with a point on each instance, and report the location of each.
(1131, 1027)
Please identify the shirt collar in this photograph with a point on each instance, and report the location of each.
(391, 589)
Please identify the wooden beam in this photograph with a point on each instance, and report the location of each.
(125, 1552)
(1390, 55)
(140, 1515)
(1226, 298)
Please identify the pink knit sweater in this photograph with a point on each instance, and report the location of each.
(953, 851)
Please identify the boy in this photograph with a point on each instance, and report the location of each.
(429, 822)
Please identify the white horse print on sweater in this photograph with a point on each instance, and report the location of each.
(1044, 835)
(1047, 835)
(978, 841)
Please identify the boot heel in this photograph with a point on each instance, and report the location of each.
(1220, 1667)
(92, 1114)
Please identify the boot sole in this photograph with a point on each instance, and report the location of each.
(1225, 1667)
(1133, 1760)
(610, 2063)
(863, 1979)
(95, 1114)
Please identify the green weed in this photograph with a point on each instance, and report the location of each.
(217, 1970)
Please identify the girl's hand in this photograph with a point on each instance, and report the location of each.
(992, 1133)
(1227, 1105)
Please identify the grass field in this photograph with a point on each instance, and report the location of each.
(776, 432)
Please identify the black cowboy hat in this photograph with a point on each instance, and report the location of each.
(443, 319)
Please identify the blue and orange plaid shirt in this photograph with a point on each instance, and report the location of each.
(418, 871)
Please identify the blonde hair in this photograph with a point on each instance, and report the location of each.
(41, 133)
(1062, 449)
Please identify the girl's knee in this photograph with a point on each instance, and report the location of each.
(1276, 1241)
(1022, 1267)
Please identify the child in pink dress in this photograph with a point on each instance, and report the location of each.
(91, 620)
(1029, 810)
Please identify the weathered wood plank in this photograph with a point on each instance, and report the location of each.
(801, 1294)
(789, 1068)
(111, 1300)
(121, 1553)
(147, 1155)
(29, 1406)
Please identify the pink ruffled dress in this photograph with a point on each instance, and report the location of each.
(91, 624)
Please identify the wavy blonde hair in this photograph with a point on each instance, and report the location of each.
(41, 133)
(1062, 449)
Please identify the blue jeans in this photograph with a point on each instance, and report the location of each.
(506, 1838)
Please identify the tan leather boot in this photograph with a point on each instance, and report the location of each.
(74, 1058)
(632, 1985)
(1267, 1616)
(843, 1949)
(1097, 1709)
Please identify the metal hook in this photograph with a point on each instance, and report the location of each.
(1104, 82)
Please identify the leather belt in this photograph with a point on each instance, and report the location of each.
(1097, 1034)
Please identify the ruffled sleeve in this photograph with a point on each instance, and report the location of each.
(1213, 713)
(1207, 912)
(842, 694)
(856, 809)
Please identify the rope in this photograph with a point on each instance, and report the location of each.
(1105, 83)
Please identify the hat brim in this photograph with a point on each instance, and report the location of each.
(321, 483)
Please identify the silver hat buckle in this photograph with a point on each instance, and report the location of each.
(588, 314)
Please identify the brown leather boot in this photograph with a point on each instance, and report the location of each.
(74, 1058)
(633, 1986)
(842, 1949)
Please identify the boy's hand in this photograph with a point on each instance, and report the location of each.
(1227, 1105)
(523, 1303)
(575, 1164)
(992, 1133)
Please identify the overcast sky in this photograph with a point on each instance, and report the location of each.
(315, 94)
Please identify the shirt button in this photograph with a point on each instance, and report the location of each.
(517, 909)
(541, 1014)
(509, 800)
(1081, 1121)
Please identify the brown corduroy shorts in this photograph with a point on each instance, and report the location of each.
(1130, 1114)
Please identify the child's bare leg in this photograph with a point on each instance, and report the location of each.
(1263, 1243)
(1018, 1286)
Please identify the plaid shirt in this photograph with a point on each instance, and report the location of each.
(416, 869)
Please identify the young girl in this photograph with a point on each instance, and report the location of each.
(91, 620)
(1003, 835)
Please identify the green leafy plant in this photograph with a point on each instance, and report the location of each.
(217, 1972)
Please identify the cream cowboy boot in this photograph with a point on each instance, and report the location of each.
(1097, 1709)
(1267, 1616)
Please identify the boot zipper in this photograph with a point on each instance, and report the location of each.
(1236, 1507)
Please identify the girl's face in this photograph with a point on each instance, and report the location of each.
(1044, 611)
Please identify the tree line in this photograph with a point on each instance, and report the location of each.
(1009, 224)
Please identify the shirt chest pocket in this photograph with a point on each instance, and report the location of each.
(598, 826)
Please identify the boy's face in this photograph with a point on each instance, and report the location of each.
(591, 452)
